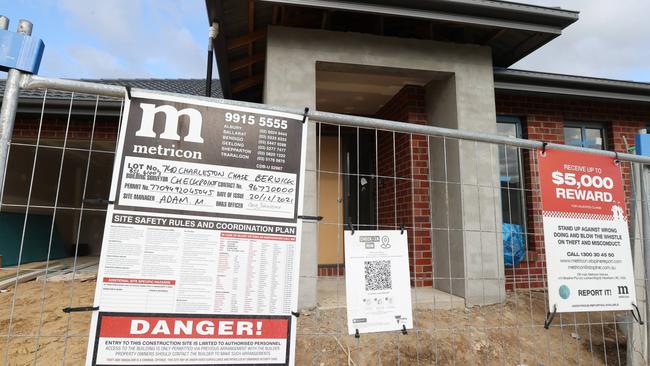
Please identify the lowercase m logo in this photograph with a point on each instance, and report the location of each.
(172, 116)
(623, 290)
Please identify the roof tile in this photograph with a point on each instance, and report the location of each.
(181, 86)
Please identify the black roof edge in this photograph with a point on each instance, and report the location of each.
(481, 12)
(562, 84)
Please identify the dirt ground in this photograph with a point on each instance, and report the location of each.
(505, 334)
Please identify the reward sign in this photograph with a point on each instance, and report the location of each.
(201, 249)
(588, 256)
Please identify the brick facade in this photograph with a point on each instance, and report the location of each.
(543, 118)
(80, 128)
(405, 199)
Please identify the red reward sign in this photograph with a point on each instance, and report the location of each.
(580, 183)
(132, 326)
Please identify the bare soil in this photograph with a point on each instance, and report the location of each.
(510, 333)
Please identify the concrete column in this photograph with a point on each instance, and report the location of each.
(291, 81)
(469, 249)
(467, 245)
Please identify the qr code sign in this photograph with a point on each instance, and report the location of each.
(378, 275)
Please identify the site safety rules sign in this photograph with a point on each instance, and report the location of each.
(588, 255)
(201, 247)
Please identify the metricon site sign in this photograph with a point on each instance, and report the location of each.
(587, 245)
(201, 248)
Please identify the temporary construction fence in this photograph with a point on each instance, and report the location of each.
(457, 193)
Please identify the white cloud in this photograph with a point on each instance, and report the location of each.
(611, 39)
(98, 63)
(135, 38)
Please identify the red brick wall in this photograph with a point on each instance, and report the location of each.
(405, 200)
(331, 269)
(54, 127)
(543, 119)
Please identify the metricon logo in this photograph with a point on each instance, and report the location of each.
(565, 292)
(172, 116)
(623, 290)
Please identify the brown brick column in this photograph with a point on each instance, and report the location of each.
(405, 200)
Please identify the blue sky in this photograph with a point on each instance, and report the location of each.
(117, 38)
(168, 38)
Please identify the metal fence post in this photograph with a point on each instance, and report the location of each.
(10, 103)
(645, 217)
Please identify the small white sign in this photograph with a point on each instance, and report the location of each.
(587, 245)
(377, 281)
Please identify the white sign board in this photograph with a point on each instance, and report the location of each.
(586, 240)
(378, 288)
(201, 249)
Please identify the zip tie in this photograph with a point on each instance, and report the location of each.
(69, 310)
(550, 316)
(97, 201)
(304, 115)
(638, 312)
(350, 226)
(313, 218)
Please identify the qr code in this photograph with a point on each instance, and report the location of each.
(378, 275)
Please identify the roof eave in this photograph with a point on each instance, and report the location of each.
(570, 85)
(567, 19)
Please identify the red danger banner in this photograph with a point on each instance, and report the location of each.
(175, 339)
(587, 246)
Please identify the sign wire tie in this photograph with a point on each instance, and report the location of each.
(296, 314)
(616, 160)
(313, 218)
(80, 309)
(550, 316)
(404, 329)
(350, 226)
(638, 320)
(304, 115)
(97, 201)
(544, 143)
(401, 228)
(128, 91)
(356, 334)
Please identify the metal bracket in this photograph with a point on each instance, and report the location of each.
(638, 320)
(549, 317)
(80, 309)
(20, 51)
